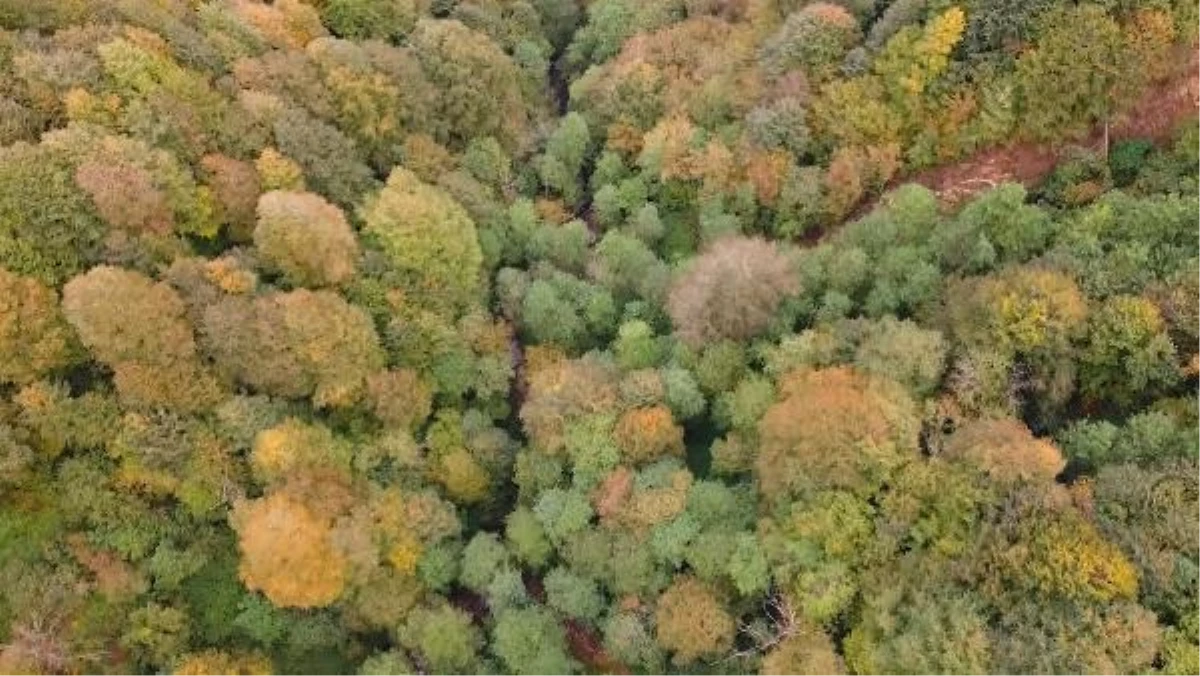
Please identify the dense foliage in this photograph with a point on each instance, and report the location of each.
(544, 336)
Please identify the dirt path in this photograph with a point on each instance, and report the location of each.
(1155, 116)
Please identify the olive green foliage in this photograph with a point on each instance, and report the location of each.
(429, 242)
(305, 238)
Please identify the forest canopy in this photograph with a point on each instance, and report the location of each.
(599, 336)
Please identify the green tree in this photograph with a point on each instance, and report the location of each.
(479, 86)
(429, 241)
(371, 19)
(531, 641)
(1128, 354)
(442, 638)
(1078, 75)
(566, 149)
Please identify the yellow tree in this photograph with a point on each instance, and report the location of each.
(287, 553)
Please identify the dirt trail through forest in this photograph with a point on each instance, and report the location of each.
(1155, 116)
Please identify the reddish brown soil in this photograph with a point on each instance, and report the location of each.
(1155, 116)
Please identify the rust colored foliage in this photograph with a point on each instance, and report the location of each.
(834, 428)
(400, 398)
(125, 196)
(287, 553)
(235, 185)
(731, 291)
(140, 329)
(692, 623)
(647, 434)
(1006, 450)
(122, 315)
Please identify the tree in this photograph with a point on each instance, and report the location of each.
(1079, 74)
(287, 553)
(479, 85)
(306, 238)
(1058, 555)
(1023, 310)
(297, 344)
(236, 186)
(49, 229)
(1128, 354)
(561, 166)
(156, 634)
(531, 641)
(371, 19)
(731, 291)
(122, 315)
(995, 25)
(562, 392)
(648, 434)
(1006, 450)
(33, 332)
(139, 328)
(1148, 512)
(901, 350)
(442, 638)
(216, 661)
(572, 595)
(834, 428)
(997, 227)
(429, 241)
(919, 625)
(691, 622)
(400, 398)
(803, 649)
(815, 39)
(292, 447)
(330, 160)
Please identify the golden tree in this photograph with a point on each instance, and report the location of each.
(692, 623)
(287, 553)
(834, 428)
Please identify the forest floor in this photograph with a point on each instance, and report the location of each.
(1155, 116)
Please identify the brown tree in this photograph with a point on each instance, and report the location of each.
(1006, 450)
(297, 344)
(305, 238)
(731, 291)
(692, 623)
(834, 428)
